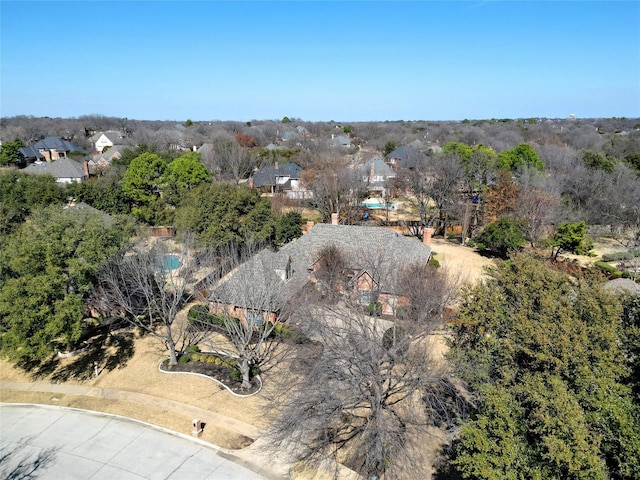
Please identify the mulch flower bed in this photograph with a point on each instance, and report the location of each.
(221, 373)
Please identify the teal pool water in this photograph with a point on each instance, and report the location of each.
(170, 262)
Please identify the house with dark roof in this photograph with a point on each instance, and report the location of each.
(48, 149)
(377, 176)
(373, 257)
(276, 179)
(403, 155)
(64, 170)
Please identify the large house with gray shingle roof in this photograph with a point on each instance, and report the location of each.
(280, 178)
(374, 257)
(48, 149)
(64, 170)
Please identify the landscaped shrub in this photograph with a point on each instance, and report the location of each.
(289, 331)
(612, 257)
(608, 269)
(375, 309)
(236, 374)
(197, 312)
(392, 336)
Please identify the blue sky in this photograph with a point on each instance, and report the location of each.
(320, 61)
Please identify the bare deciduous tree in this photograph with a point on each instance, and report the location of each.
(249, 303)
(369, 399)
(365, 402)
(148, 291)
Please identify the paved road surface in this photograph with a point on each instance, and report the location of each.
(90, 445)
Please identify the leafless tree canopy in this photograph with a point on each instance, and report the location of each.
(142, 287)
(369, 399)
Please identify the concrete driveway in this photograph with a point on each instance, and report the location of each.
(66, 443)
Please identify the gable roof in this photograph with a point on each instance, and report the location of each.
(114, 136)
(56, 143)
(364, 248)
(266, 176)
(380, 168)
(259, 283)
(115, 151)
(30, 152)
(61, 168)
(381, 252)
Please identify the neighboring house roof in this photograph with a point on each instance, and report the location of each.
(340, 141)
(30, 152)
(59, 169)
(267, 176)
(383, 253)
(56, 143)
(114, 136)
(400, 153)
(404, 153)
(260, 283)
(110, 154)
(206, 149)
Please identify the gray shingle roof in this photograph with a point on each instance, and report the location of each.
(61, 168)
(56, 143)
(266, 176)
(30, 152)
(381, 252)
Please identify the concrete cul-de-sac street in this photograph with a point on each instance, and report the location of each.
(77, 444)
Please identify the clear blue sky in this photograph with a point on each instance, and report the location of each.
(319, 61)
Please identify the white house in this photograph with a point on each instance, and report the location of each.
(106, 139)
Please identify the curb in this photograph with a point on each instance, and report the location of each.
(239, 395)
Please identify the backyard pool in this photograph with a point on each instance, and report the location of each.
(170, 262)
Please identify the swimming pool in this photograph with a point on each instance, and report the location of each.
(170, 262)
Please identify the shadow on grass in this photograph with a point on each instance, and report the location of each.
(107, 350)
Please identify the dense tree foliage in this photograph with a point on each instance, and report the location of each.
(9, 152)
(572, 238)
(501, 237)
(543, 354)
(222, 214)
(20, 193)
(103, 192)
(289, 228)
(47, 267)
(522, 156)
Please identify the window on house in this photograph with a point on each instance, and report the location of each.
(364, 297)
(254, 318)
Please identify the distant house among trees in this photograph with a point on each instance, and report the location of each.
(103, 160)
(106, 139)
(64, 170)
(405, 154)
(280, 179)
(376, 175)
(47, 150)
(340, 141)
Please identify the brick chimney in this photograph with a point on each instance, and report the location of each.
(309, 225)
(335, 219)
(427, 233)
